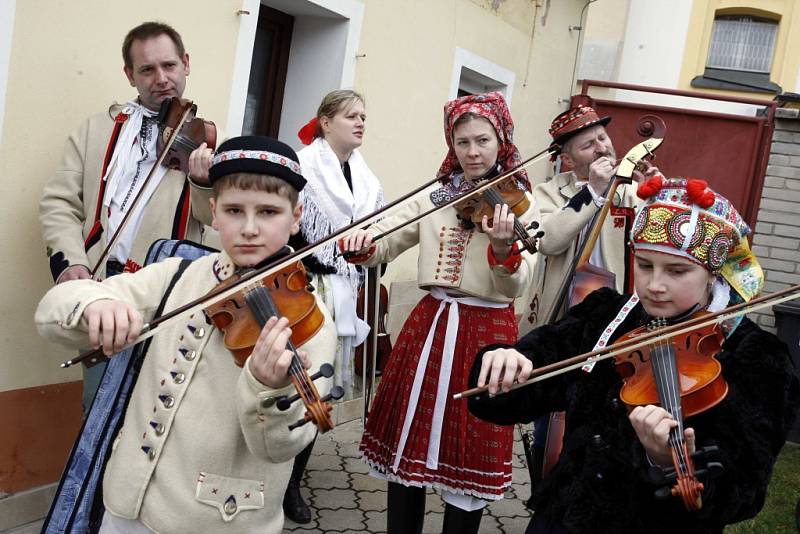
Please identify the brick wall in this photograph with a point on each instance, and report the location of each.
(776, 242)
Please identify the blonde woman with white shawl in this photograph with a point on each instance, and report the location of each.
(340, 189)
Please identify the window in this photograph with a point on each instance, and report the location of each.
(742, 43)
(474, 74)
(740, 54)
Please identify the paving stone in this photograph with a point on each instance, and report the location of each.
(376, 522)
(508, 508)
(355, 465)
(349, 450)
(371, 500)
(433, 523)
(324, 445)
(349, 432)
(328, 479)
(367, 483)
(334, 499)
(490, 524)
(520, 474)
(345, 499)
(291, 526)
(342, 520)
(512, 525)
(433, 502)
(324, 462)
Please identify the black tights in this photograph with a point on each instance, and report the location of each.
(406, 513)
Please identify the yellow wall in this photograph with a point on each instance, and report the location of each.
(65, 65)
(406, 80)
(786, 58)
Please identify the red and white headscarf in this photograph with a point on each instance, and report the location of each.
(493, 107)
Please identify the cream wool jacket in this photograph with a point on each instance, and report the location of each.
(202, 449)
(563, 210)
(69, 202)
(449, 256)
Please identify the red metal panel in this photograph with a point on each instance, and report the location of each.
(729, 151)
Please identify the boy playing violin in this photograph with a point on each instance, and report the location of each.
(690, 254)
(203, 447)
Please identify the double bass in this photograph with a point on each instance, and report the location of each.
(582, 278)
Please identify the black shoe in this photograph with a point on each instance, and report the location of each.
(294, 507)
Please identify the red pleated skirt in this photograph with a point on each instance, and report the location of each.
(474, 456)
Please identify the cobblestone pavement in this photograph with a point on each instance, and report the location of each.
(345, 499)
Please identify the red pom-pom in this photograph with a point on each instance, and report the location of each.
(649, 188)
(699, 193)
(307, 132)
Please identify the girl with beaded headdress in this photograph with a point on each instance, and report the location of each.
(416, 436)
(690, 253)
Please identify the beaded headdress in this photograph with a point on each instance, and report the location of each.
(685, 218)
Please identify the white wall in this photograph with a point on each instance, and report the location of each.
(653, 52)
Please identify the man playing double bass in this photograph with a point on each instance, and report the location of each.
(567, 203)
(566, 206)
(104, 165)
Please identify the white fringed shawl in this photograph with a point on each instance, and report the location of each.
(328, 203)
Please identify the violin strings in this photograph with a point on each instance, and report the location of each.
(184, 142)
(665, 373)
(495, 198)
(263, 307)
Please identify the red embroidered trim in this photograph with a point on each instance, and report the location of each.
(512, 262)
(131, 266)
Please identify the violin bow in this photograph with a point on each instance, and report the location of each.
(114, 238)
(576, 362)
(150, 329)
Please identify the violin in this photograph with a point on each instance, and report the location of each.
(680, 374)
(193, 132)
(173, 149)
(241, 317)
(509, 192)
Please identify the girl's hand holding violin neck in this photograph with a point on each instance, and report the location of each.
(200, 163)
(270, 360)
(357, 247)
(500, 231)
(502, 368)
(113, 324)
(652, 425)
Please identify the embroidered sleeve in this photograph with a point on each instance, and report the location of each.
(512, 261)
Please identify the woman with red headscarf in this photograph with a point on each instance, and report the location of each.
(417, 436)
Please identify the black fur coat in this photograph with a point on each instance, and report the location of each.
(599, 483)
